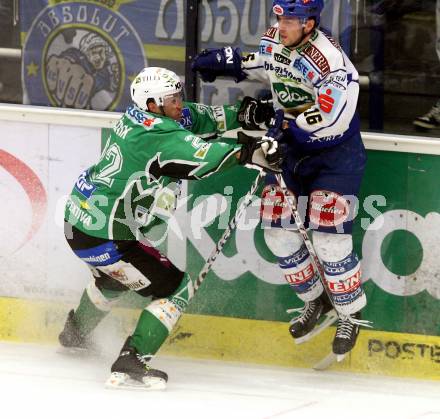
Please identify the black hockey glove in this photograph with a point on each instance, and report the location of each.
(253, 153)
(255, 114)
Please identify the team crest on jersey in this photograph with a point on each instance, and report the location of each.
(72, 57)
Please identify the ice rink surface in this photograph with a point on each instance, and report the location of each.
(38, 381)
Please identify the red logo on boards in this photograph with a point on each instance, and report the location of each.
(33, 187)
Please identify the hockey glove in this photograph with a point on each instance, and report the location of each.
(271, 140)
(253, 154)
(255, 114)
(211, 63)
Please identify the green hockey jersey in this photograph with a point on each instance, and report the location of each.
(136, 182)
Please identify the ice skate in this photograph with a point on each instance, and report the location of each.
(131, 370)
(314, 317)
(344, 341)
(346, 335)
(72, 340)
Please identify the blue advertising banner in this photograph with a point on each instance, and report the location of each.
(84, 54)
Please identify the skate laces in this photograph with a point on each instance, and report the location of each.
(346, 325)
(305, 312)
(144, 359)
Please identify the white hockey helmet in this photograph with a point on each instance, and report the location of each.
(154, 83)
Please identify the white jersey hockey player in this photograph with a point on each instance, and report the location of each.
(313, 81)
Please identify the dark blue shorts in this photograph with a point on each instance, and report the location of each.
(326, 185)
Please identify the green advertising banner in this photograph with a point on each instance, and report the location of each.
(396, 231)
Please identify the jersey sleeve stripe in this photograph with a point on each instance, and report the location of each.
(219, 166)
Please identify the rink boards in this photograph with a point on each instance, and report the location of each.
(241, 340)
(240, 311)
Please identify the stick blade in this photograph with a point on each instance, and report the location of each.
(328, 361)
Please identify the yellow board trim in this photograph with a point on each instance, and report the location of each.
(164, 52)
(231, 339)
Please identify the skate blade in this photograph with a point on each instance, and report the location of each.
(340, 358)
(121, 381)
(328, 361)
(330, 318)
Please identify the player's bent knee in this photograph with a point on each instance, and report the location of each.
(332, 247)
(274, 209)
(99, 299)
(282, 242)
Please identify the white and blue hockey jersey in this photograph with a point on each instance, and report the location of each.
(316, 82)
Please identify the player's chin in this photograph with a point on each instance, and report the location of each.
(287, 42)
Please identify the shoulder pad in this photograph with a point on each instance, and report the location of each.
(332, 41)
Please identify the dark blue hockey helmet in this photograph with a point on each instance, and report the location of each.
(303, 9)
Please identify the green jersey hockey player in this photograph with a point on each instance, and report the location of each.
(134, 187)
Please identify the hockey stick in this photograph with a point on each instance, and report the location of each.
(229, 229)
(316, 263)
(291, 200)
